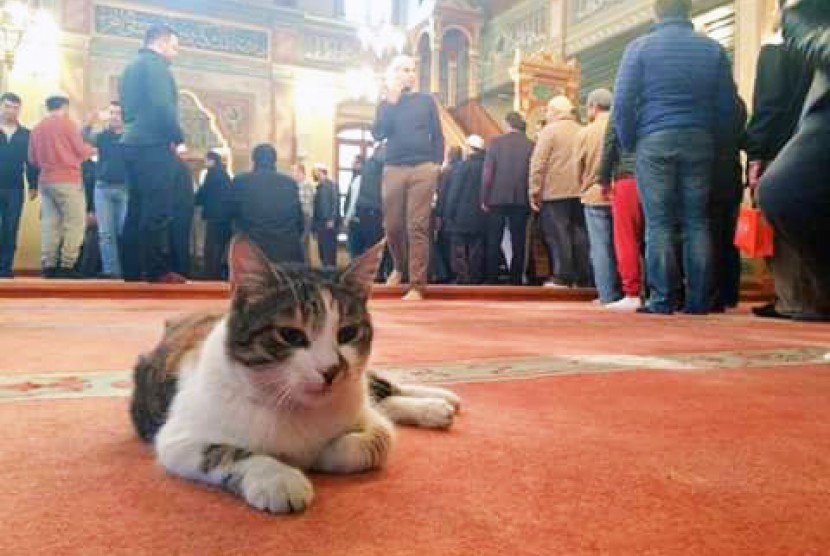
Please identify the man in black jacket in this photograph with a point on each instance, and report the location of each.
(410, 123)
(364, 207)
(326, 216)
(265, 206)
(14, 156)
(464, 212)
(504, 196)
(149, 99)
(794, 193)
(782, 80)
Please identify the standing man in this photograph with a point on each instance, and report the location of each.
(368, 207)
(351, 221)
(782, 80)
(326, 216)
(675, 102)
(149, 99)
(58, 149)
(504, 197)
(596, 199)
(14, 157)
(555, 192)
(414, 151)
(110, 191)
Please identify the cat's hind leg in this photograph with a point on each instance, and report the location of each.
(431, 413)
(417, 391)
(264, 482)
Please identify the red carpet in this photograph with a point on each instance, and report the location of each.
(729, 461)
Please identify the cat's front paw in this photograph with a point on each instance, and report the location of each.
(436, 413)
(450, 397)
(274, 487)
(356, 452)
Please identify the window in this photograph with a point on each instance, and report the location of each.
(368, 12)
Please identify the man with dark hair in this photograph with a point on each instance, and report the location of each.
(675, 102)
(326, 216)
(110, 193)
(58, 149)
(14, 157)
(504, 196)
(265, 206)
(149, 99)
(366, 207)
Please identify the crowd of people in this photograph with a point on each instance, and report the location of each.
(638, 194)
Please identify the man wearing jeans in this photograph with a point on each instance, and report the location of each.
(149, 99)
(414, 151)
(595, 199)
(14, 155)
(675, 101)
(110, 191)
(58, 149)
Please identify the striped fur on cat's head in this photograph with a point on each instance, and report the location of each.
(300, 335)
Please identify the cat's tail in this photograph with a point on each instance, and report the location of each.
(153, 393)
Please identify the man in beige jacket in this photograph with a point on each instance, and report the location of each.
(597, 201)
(555, 193)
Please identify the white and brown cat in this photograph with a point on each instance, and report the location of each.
(251, 399)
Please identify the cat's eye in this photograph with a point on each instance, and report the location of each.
(348, 334)
(294, 337)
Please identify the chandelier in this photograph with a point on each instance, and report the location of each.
(382, 40)
(15, 18)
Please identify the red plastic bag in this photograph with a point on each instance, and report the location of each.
(754, 234)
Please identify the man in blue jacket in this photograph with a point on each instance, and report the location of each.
(675, 102)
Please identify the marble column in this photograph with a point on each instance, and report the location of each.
(473, 74)
(753, 21)
(435, 77)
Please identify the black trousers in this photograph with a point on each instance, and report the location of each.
(516, 219)
(11, 206)
(327, 246)
(726, 280)
(468, 258)
(146, 243)
(217, 238)
(795, 197)
(181, 227)
(365, 231)
(563, 224)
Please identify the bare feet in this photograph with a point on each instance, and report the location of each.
(414, 295)
(395, 278)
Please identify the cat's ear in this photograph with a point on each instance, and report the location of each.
(363, 270)
(248, 265)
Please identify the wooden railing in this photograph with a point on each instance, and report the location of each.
(473, 118)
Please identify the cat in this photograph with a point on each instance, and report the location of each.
(251, 399)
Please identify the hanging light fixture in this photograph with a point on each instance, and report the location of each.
(15, 17)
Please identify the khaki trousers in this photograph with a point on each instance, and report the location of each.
(62, 224)
(407, 204)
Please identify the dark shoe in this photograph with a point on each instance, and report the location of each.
(169, 278)
(698, 313)
(68, 274)
(6, 274)
(49, 272)
(811, 316)
(768, 311)
(650, 311)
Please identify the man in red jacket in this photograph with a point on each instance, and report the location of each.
(58, 149)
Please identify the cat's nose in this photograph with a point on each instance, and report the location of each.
(330, 374)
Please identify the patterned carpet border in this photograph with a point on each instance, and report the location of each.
(107, 384)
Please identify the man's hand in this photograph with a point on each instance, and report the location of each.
(754, 171)
(484, 207)
(32, 194)
(91, 220)
(393, 93)
(329, 224)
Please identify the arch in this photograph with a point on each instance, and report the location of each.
(202, 128)
(454, 67)
(454, 27)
